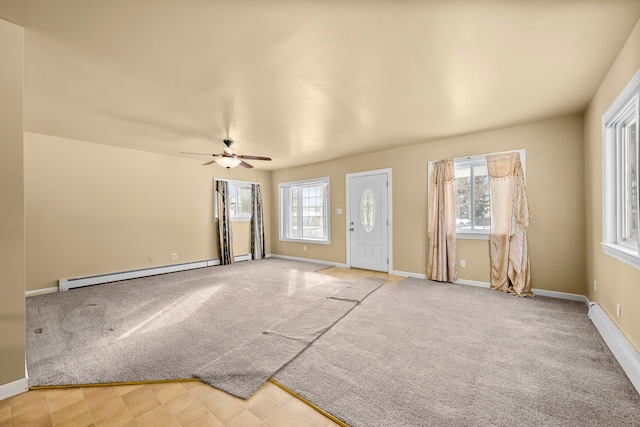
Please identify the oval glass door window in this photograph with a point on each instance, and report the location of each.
(367, 210)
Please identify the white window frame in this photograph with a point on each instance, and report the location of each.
(238, 184)
(471, 162)
(479, 234)
(283, 199)
(625, 106)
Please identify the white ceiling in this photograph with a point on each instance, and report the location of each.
(304, 81)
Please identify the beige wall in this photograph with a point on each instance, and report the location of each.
(13, 11)
(12, 261)
(617, 281)
(555, 175)
(94, 209)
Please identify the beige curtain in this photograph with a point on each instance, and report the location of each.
(510, 266)
(441, 265)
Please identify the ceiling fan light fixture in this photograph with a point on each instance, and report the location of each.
(228, 162)
(227, 159)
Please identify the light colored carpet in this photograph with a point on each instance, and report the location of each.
(164, 327)
(422, 353)
(243, 370)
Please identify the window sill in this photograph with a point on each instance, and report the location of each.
(240, 219)
(307, 241)
(620, 253)
(472, 236)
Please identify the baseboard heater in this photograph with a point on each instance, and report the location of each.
(622, 349)
(78, 282)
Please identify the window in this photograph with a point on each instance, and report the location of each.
(304, 211)
(621, 204)
(239, 201)
(472, 195)
(471, 189)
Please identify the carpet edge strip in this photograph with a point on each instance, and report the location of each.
(115, 384)
(311, 404)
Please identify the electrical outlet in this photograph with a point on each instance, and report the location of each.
(174, 256)
(595, 285)
(618, 310)
(150, 260)
(304, 248)
(463, 263)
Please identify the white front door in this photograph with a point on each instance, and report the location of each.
(368, 220)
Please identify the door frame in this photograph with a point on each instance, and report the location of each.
(388, 172)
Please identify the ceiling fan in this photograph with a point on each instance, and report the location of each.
(228, 158)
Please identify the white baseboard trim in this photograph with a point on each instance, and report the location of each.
(473, 283)
(315, 261)
(541, 292)
(561, 295)
(408, 274)
(237, 258)
(13, 388)
(66, 284)
(627, 356)
(42, 291)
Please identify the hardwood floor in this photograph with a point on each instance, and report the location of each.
(178, 404)
(357, 273)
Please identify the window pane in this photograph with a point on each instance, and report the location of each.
(293, 223)
(463, 197)
(313, 211)
(244, 201)
(471, 188)
(482, 207)
(367, 210)
(630, 190)
(233, 199)
(304, 211)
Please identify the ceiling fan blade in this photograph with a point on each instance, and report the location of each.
(245, 164)
(210, 162)
(202, 154)
(254, 157)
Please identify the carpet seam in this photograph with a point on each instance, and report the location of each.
(346, 299)
(316, 339)
(302, 340)
(357, 303)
